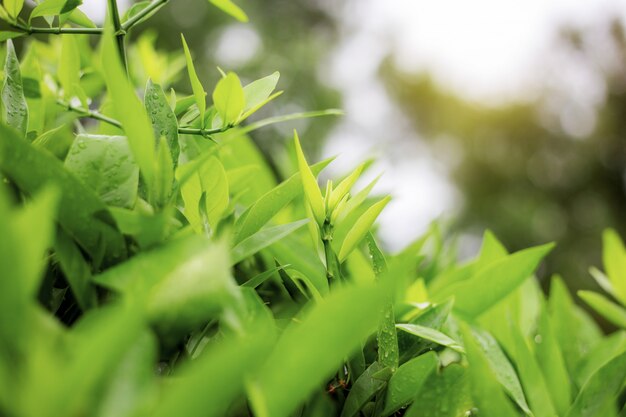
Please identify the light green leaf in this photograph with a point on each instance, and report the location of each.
(81, 19)
(485, 388)
(230, 8)
(7, 34)
(598, 397)
(614, 259)
(490, 284)
(607, 308)
(551, 362)
(13, 7)
(432, 335)
(262, 239)
(228, 98)
(502, 368)
(13, 100)
(163, 119)
(363, 390)
(164, 178)
(181, 284)
(310, 350)
(54, 8)
(198, 91)
(69, 66)
(601, 354)
(575, 331)
(408, 380)
(129, 110)
(106, 165)
(205, 193)
(76, 270)
(270, 203)
(433, 317)
(447, 394)
(361, 227)
(344, 187)
(535, 386)
(288, 117)
(228, 364)
(311, 189)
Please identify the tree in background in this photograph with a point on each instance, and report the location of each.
(524, 169)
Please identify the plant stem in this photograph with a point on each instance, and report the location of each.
(58, 31)
(119, 32)
(152, 7)
(89, 113)
(99, 116)
(333, 272)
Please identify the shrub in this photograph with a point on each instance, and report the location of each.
(153, 265)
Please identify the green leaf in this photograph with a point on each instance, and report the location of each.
(361, 227)
(288, 117)
(228, 364)
(164, 122)
(363, 390)
(551, 362)
(601, 354)
(490, 284)
(258, 93)
(433, 317)
(605, 307)
(205, 193)
(54, 8)
(574, 329)
(129, 110)
(408, 380)
(270, 203)
(485, 388)
(598, 397)
(228, 98)
(7, 34)
(344, 187)
(13, 100)
(132, 384)
(432, 335)
(198, 91)
(13, 7)
(311, 189)
(81, 19)
(164, 179)
(81, 213)
(262, 239)
(76, 270)
(106, 165)
(447, 394)
(231, 9)
(614, 259)
(310, 350)
(502, 368)
(535, 386)
(69, 66)
(181, 284)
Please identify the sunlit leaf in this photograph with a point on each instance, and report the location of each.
(228, 98)
(198, 91)
(13, 100)
(228, 7)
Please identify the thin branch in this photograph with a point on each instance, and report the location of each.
(152, 7)
(83, 112)
(119, 32)
(58, 31)
(89, 113)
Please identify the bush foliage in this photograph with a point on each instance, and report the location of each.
(153, 264)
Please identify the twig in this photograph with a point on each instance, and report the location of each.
(156, 4)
